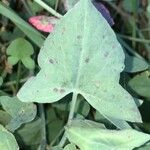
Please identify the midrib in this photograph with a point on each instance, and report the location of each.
(83, 49)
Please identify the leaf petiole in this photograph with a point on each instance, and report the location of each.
(71, 115)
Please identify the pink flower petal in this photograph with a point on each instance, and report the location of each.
(43, 23)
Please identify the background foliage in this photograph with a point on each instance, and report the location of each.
(40, 126)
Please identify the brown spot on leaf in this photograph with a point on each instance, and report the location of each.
(55, 90)
(62, 91)
(51, 61)
(87, 60)
(63, 30)
(79, 37)
(106, 54)
(114, 46)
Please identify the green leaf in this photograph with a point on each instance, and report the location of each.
(141, 84)
(70, 147)
(4, 118)
(95, 138)
(1, 80)
(21, 49)
(69, 4)
(135, 64)
(130, 5)
(13, 60)
(54, 125)
(72, 60)
(33, 34)
(25, 132)
(146, 147)
(7, 140)
(28, 62)
(19, 111)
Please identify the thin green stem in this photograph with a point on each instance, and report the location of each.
(56, 138)
(134, 39)
(18, 75)
(71, 115)
(42, 114)
(125, 45)
(72, 107)
(48, 8)
(14, 82)
(56, 4)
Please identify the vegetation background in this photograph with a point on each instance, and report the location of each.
(20, 43)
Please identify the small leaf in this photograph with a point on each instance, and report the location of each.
(20, 49)
(28, 62)
(19, 111)
(134, 64)
(13, 60)
(4, 118)
(141, 84)
(25, 132)
(73, 61)
(7, 140)
(95, 138)
(130, 6)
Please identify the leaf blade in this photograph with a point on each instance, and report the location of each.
(74, 61)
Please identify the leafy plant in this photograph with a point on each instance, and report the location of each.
(20, 53)
(81, 89)
(8, 141)
(20, 112)
(82, 64)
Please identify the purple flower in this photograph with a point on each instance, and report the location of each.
(104, 11)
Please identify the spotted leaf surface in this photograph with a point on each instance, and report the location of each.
(82, 56)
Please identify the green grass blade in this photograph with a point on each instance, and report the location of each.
(33, 34)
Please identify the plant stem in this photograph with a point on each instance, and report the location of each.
(56, 4)
(18, 75)
(14, 82)
(72, 107)
(56, 138)
(134, 39)
(42, 114)
(71, 115)
(48, 8)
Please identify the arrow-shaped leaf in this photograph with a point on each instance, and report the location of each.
(82, 56)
